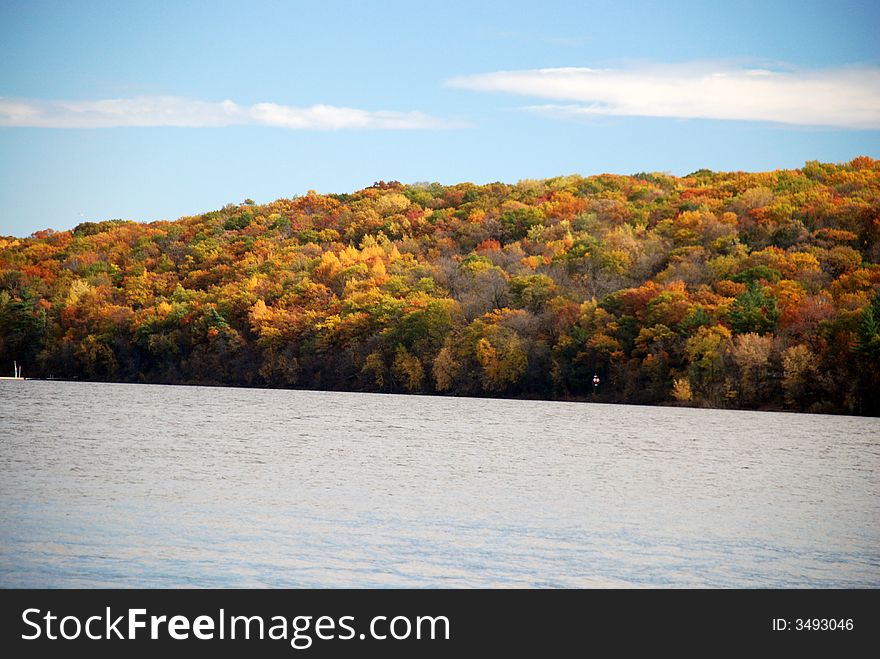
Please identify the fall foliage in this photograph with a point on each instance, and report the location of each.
(736, 289)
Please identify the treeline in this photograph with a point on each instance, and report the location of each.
(722, 289)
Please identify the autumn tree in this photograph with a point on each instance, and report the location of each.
(720, 288)
(751, 353)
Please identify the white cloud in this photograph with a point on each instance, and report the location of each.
(843, 97)
(175, 111)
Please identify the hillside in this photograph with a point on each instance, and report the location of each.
(724, 289)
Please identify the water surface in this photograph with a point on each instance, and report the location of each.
(161, 486)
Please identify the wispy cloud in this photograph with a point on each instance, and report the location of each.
(843, 97)
(176, 111)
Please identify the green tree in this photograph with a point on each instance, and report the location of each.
(706, 351)
(531, 292)
(754, 311)
(868, 342)
(22, 331)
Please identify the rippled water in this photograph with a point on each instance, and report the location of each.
(138, 485)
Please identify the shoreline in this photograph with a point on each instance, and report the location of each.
(574, 400)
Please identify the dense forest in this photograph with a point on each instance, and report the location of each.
(749, 290)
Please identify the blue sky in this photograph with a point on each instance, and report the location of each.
(161, 109)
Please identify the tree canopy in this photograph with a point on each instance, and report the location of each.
(725, 289)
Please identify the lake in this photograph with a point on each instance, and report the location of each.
(126, 485)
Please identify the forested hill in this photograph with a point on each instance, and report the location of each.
(722, 289)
